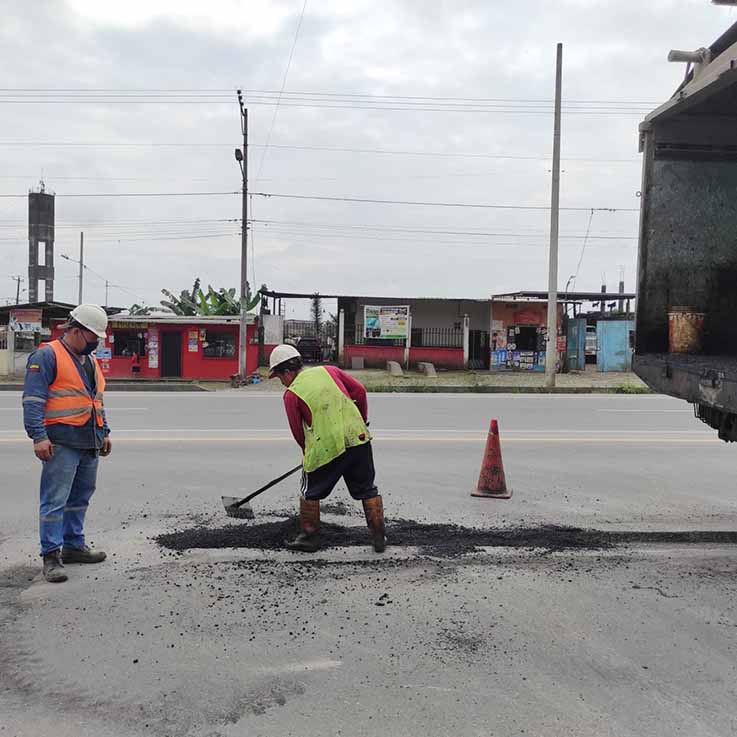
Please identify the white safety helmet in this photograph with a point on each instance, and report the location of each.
(91, 317)
(281, 354)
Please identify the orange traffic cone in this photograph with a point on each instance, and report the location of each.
(492, 484)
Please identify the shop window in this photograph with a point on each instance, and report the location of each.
(219, 345)
(526, 338)
(126, 343)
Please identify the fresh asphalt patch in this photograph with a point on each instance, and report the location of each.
(438, 540)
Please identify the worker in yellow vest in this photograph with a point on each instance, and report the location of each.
(327, 411)
(64, 416)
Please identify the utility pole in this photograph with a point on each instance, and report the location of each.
(81, 266)
(17, 280)
(107, 291)
(241, 156)
(551, 353)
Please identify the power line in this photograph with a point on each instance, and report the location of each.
(283, 85)
(133, 194)
(365, 200)
(228, 91)
(427, 231)
(389, 152)
(302, 238)
(439, 204)
(583, 249)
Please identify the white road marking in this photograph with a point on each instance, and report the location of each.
(648, 411)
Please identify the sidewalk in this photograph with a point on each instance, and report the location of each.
(590, 381)
(378, 380)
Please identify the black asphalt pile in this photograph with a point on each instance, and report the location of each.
(444, 540)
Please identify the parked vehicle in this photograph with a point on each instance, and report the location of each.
(591, 341)
(686, 340)
(309, 348)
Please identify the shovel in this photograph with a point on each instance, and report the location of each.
(241, 509)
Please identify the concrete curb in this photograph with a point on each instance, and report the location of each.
(389, 389)
(130, 387)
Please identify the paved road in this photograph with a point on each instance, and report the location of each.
(633, 639)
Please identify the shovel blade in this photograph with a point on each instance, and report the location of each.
(242, 512)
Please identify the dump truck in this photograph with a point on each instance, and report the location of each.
(686, 322)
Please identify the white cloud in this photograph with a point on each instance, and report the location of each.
(255, 19)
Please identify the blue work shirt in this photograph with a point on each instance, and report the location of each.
(40, 374)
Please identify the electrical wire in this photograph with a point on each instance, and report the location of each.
(364, 200)
(439, 204)
(388, 152)
(583, 249)
(281, 92)
(428, 231)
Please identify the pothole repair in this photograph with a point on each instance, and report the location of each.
(442, 540)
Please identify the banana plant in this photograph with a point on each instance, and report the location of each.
(212, 302)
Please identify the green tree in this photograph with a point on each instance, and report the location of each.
(317, 311)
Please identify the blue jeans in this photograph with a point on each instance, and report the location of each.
(67, 485)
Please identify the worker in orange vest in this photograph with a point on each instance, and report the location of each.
(64, 416)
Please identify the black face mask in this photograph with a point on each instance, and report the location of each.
(90, 346)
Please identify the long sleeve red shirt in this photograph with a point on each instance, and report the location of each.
(299, 415)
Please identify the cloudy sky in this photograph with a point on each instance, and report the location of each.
(416, 101)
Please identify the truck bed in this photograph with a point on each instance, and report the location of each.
(698, 379)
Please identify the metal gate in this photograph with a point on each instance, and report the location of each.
(576, 345)
(613, 345)
(479, 356)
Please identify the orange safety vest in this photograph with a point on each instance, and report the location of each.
(69, 401)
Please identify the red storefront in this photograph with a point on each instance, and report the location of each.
(191, 348)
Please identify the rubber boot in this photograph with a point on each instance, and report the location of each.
(54, 568)
(308, 540)
(374, 510)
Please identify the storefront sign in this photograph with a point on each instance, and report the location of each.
(381, 321)
(25, 321)
(125, 324)
(193, 343)
(530, 316)
(153, 348)
(104, 354)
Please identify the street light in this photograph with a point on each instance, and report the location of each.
(241, 156)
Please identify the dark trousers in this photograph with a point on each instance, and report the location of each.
(355, 466)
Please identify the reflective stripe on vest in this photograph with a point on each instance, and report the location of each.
(69, 402)
(336, 421)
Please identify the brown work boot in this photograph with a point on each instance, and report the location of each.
(54, 568)
(308, 540)
(374, 509)
(82, 555)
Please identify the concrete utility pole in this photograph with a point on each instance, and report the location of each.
(107, 292)
(17, 280)
(81, 267)
(551, 353)
(241, 156)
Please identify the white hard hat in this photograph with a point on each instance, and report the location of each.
(281, 354)
(92, 317)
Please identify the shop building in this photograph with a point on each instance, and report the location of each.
(194, 348)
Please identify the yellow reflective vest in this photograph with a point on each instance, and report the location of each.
(336, 421)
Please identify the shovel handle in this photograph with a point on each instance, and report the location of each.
(267, 487)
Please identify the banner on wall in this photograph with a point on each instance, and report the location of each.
(386, 322)
(25, 321)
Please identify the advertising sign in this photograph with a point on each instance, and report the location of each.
(386, 322)
(153, 348)
(25, 321)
